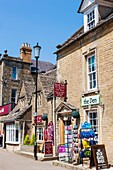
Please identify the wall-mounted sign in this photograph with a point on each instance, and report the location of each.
(59, 90)
(90, 100)
(4, 110)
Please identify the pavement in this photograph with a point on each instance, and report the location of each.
(56, 162)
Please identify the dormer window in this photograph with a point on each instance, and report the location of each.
(91, 20)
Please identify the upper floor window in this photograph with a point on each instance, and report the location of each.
(90, 20)
(14, 73)
(91, 72)
(13, 97)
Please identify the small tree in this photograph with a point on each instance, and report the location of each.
(27, 140)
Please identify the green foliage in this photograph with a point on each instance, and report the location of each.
(27, 140)
(32, 140)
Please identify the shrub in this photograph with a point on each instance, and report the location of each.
(27, 140)
(32, 140)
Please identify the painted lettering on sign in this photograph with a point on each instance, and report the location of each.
(91, 100)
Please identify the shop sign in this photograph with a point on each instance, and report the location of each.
(61, 152)
(48, 148)
(38, 119)
(4, 110)
(90, 100)
(59, 90)
(61, 149)
(99, 157)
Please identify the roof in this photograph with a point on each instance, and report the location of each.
(47, 80)
(79, 33)
(65, 106)
(29, 89)
(15, 114)
(43, 66)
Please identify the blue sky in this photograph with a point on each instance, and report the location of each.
(48, 22)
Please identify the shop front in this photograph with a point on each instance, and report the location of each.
(67, 129)
(92, 112)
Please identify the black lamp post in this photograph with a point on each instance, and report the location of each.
(37, 49)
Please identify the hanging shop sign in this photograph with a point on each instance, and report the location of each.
(90, 100)
(4, 110)
(48, 148)
(59, 90)
(99, 157)
(38, 119)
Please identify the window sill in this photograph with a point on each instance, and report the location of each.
(94, 91)
(14, 143)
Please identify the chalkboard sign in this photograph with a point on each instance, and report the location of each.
(48, 148)
(99, 156)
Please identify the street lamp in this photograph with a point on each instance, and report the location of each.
(37, 49)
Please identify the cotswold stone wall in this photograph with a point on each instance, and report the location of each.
(71, 66)
(23, 74)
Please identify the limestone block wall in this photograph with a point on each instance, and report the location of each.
(71, 67)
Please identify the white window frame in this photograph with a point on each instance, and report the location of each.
(90, 74)
(95, 19)
(93, 119)
(11, 130)
(15, 72)
(40, 134)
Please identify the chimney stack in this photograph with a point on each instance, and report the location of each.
(26, 52)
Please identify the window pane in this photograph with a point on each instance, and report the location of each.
(14, 72)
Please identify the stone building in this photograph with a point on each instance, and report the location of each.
(85, 60)
(20, 121)
(18, 88)
(14, 71)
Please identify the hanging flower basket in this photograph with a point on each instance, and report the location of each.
(44, 117)
(75, 114)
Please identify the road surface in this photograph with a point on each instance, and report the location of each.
(12, 161)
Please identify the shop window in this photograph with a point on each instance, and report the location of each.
(13, 97)
(14, 73)
(40, 133)
(12, 133)
(91, 72)
(93, 119)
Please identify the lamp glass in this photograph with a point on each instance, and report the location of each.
(37, 50)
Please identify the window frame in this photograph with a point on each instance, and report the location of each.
(11, 130)
(91, 14)
(15, 101)
(40, 134)
(90, 74)
(91, 119)
(14, 73)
